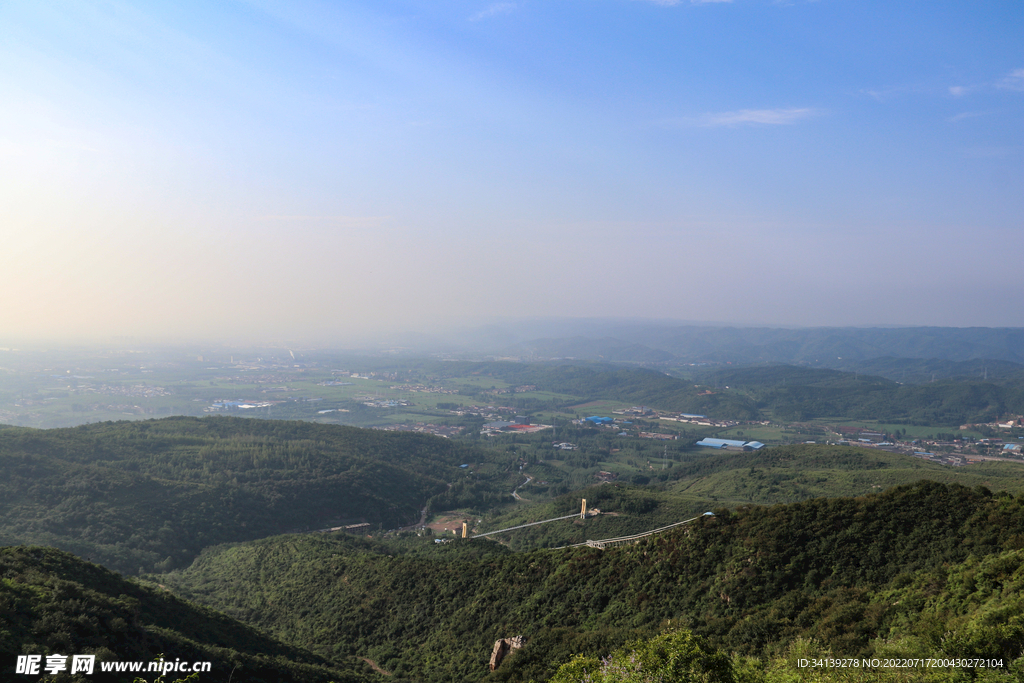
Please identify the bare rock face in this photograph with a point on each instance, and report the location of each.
(503, 647)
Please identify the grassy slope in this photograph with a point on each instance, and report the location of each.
(786, 474)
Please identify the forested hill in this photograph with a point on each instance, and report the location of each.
(821, 346)
(923, 370)
(929, 569)
(798, 393)
(54, 603)
(153, 494)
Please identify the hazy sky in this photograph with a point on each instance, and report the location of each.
(294, 169)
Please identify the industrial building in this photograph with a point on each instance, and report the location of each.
(731, 444)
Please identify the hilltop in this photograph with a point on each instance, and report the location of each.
(153, 494)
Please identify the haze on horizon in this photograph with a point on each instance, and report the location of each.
(313, 170)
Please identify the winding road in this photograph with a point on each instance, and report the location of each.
(515, 492)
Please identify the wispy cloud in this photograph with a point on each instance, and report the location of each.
(1013, 81)
(494, 10)
(892, 92)
(966, 115)
(751, 117)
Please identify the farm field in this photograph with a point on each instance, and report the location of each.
(912, 431)
(764, 434)
(451, 399)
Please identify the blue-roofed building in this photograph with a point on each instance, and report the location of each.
(600, 420)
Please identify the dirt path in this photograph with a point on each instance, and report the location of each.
(375, 667)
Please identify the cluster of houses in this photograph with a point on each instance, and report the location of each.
(635, 411)
(486, 412)
(513, 390)
(447, 431)
(941, 458)
(690, 418)
(705, 421)
(1007, 423)
(375, 402)
(423, 389)
(860, 434)
(957, 452)
(598, 421)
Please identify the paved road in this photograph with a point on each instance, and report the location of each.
(515, 493)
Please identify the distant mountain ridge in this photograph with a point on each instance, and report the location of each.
(824, 346)
(798, 392)
(920, 370)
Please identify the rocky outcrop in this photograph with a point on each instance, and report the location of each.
(503, 647)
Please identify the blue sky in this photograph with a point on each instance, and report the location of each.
(310, 170)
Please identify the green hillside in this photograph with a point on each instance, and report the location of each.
(750, 580)
(204, 501)
(785, 474)
(55, 603)
(791, 393)
(153, 494)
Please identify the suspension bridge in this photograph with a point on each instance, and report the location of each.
(622, 540)
(523, 526)
(601, 544)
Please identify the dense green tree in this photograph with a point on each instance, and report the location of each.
(677, 657)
